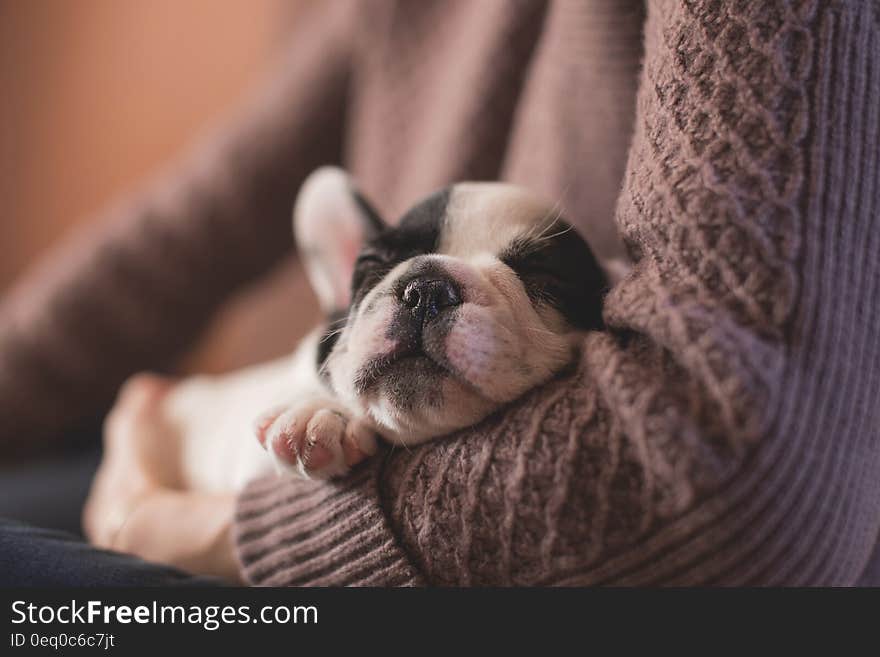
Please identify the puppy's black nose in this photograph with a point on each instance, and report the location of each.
(426, 297)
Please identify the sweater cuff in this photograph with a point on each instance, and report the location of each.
(292, 532)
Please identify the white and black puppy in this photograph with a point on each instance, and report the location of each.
(476, 295)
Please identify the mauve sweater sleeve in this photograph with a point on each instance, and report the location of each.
(132, 292)
(725, 428)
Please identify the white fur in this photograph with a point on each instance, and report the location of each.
(329, 232)
(216, 416)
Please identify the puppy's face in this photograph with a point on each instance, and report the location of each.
(476, 295)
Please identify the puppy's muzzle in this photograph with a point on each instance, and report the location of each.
(426, 303)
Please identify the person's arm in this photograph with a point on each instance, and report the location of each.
(133, 292)
(723, 430)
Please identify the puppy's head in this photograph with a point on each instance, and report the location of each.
(476, 295)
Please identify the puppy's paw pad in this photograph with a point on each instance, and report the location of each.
(321, 456)
(318, 441)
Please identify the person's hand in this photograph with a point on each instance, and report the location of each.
(135, 505)
(133, 467)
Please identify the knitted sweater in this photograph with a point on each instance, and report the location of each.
(723, 429)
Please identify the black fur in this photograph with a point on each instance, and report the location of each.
(417, 233)
(561, 271)
(374, 221)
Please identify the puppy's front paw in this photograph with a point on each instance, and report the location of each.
(319, 439)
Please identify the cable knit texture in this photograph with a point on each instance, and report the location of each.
(723, 429)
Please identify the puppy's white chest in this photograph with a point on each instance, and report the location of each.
(215, 419)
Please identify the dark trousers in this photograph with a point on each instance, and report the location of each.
(41, 543)
(40, 538)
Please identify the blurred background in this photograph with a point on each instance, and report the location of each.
(98, 95)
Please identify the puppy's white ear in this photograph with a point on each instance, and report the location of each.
(331, 221)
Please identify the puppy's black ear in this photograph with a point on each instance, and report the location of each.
(331, 222)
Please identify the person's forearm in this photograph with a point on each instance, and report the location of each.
(191, 531)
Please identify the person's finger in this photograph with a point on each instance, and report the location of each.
(144, 389)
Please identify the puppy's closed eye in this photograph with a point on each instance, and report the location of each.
(560, 272)
(541, 283)
(370, 259)
(369, 268)
(533, 264)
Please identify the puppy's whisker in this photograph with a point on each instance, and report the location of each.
(555, 209)
(545, 238)
(329, 335)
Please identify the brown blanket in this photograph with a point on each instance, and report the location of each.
(725, 429)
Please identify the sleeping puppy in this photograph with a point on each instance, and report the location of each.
(476, 295)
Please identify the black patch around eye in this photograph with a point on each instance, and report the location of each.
(561, 271)
(369, 269)
(420, 228)
(417, 233)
